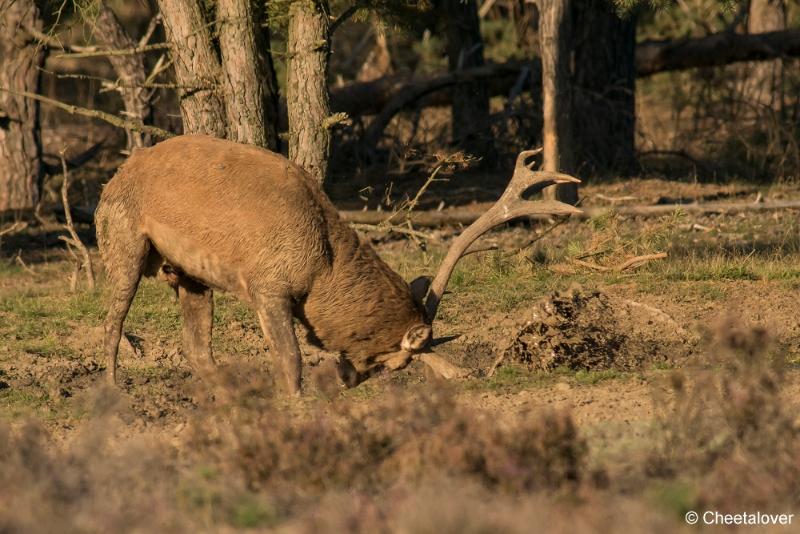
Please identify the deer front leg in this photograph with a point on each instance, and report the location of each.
(275, 317)
(197, 305)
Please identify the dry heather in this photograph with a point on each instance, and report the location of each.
(406, 462)
(400, 437)
(731, 429)
(248, 459)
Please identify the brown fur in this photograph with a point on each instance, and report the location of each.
(245, 220)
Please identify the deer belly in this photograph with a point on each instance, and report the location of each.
(194, 258)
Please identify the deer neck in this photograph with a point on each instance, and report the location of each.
(360, 307)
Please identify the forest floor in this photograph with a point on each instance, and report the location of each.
(600, 399)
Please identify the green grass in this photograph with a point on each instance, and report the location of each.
(591, 378)
(16, 403)
(511, 378)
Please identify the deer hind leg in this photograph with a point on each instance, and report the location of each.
(275, 317)
(125, 260)
(197, 305)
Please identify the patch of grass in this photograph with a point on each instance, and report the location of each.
(17, 403)
(249, 512)
(227, 308)
(674, 497)
(511, 378)
(364, 391)
(86, 305)
(591, 378)
(155, 309)
(8, 268)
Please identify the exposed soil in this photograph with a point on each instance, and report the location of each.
(583, 330)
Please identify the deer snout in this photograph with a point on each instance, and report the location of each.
(417, 338)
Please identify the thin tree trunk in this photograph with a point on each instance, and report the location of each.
(130, 71)
(20, 146)
(470, 109)
(554, 32)
(308, 105)
(765, 79)
(248, 75)
(197, 67)
(604, 111)
(526, 26)
(379, 60)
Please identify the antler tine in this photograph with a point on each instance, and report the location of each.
(524, 155)
(510, 206)
(534, 181)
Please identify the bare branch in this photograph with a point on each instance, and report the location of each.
(106, 53)
(151, 27)
(13, 229)
(390, 228)
(627, 264)
(74, 240)
(345, 16)
(52, 42)
(95, 114)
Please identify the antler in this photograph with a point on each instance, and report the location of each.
(510, 206)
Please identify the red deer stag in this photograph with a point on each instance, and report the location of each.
(212, 214)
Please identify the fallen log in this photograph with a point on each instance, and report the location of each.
(714, 50)
(468, 215)
(372, 97)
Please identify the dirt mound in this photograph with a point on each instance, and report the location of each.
(584, 330)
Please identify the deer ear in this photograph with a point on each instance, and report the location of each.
(417, 338)
(419, 288)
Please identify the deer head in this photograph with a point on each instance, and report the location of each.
(511, 205)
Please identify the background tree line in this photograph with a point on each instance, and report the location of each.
(348, 86)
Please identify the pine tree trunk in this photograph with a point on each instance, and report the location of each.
(307, 98)
(604, 110)
(248, 75)
(20, 146)
(470, 109)
(130, 71)
(197, 68)
(555, 38)
(765, 78)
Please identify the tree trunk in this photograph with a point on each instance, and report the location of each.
(554, 33)
(526, 26)
(20, 146)
(197, 67)
(470, 109)
(379, 60)
(765, 79)
(130, 71)
(248, 75)
(308, 106)
(603, 84)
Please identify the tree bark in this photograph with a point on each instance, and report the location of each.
(765, 79)
(555, 37)
(20, 145)
(248, 75)
(308, 106)
(130, 71)
(470, 101)
(603, 84)
(197, 68)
